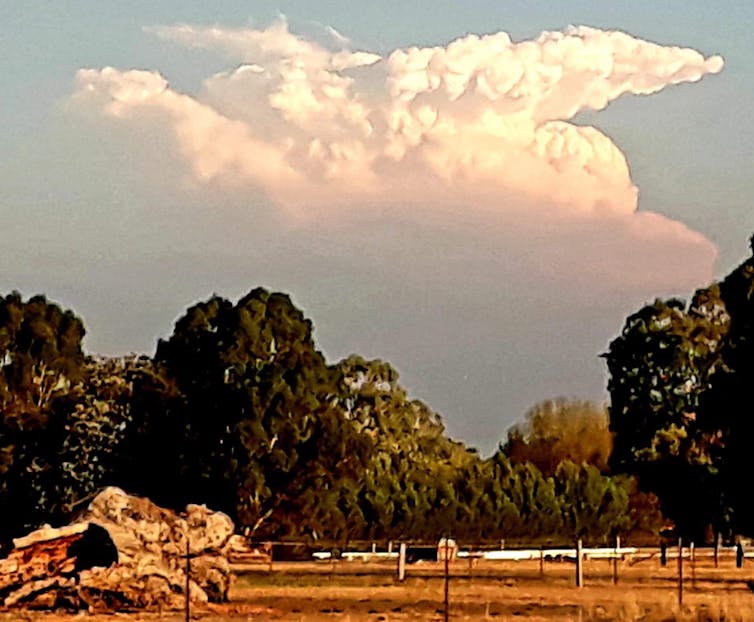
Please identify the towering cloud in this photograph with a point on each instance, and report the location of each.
(479, 129)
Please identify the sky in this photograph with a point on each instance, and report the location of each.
(478, 192)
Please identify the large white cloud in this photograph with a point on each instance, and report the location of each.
(481, 126)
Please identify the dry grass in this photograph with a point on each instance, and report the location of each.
(498, 591)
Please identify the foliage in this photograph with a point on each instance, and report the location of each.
(680, 379)
(40, 358)
(251, 423)
(406, 485)
(558, 430)
(239, 410)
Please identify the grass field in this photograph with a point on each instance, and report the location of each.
(501, 591)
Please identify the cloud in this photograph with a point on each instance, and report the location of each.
(480, 129)
(273, 43)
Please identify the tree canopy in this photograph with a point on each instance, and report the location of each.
(680, 377)
(238, 409)
(561, 429)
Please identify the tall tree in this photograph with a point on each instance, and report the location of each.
(252, 417)
(661, 372)
(729, 402)
(40, 359)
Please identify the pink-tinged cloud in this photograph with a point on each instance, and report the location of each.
(479, 129)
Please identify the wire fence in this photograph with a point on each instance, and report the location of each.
(676, 567)
(489, 560)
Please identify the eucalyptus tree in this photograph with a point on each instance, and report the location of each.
(40, 359)
(662, 369)
(251, 422)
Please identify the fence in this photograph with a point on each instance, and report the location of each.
(680, 566)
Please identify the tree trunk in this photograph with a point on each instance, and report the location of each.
(50, 554)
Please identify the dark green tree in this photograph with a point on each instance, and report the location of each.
(594, 506)
(729, 404)
(251, 424)
(409, 480)
(661, 373)
(40, 359)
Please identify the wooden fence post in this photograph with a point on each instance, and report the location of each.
(402, 561)
(188, 579)
(680, 571)
(615, 560)
(579, 569)
(717, 548)
(739, 554)
(447, 579)
(663, 554)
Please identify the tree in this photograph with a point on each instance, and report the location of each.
(98, 417)
(409, 480)
(661, 372)
(558, 430)
(251, 425)
(594, 506)
(728, 404)
(40, 358)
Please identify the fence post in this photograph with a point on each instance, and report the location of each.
(271, 548)
(188, 579)
(692, 555)
(541, 561)
(663, 554)
(402, 561)
(680, 571)
(717, 547)
(739, 554)
(447, 578)
(579, 570)
(615, 560)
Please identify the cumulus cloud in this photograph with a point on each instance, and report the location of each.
(480, 126)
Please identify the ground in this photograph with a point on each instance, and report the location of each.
(501, 591)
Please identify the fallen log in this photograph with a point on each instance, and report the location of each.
(124, 553)
(46, 558)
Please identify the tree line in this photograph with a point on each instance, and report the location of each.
(239, 410)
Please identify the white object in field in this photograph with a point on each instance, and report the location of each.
(524, 554)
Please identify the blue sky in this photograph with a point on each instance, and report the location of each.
(108, 218)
